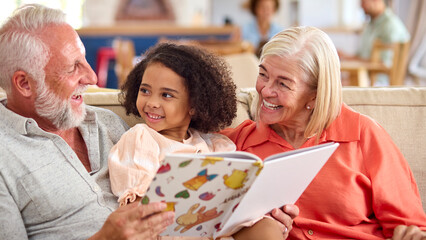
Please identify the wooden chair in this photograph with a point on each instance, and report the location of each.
(363, 73)
(124, 55)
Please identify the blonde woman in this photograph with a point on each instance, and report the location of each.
(366, 189)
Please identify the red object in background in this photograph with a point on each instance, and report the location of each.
(104, 55)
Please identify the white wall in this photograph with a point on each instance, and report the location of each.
(187, 12)
(319, 13)
(192, 12)
(99, 12)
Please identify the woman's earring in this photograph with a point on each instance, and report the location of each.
(308, 107)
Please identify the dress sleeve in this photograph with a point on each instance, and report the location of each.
(221, 143)
(132, 164)
(395, 196)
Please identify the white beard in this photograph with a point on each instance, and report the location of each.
(59, 112)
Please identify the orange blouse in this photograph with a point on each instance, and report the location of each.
(364, 190)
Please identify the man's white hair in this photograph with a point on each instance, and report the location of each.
(21, 49)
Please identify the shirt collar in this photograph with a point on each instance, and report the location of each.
(382, 17)
(263, 133)
(345, 128)
(14, 120)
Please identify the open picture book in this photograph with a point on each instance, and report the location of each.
(212, 194)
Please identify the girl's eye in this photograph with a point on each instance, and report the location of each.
(166, 95)
(144, 90)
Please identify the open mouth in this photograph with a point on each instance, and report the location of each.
(76, 97)
(78, 93)
(154, 116)
(270, 105)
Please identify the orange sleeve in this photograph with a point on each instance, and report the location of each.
(395, 199)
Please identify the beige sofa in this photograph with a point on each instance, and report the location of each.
(401, 111)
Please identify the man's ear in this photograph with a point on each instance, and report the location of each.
(21, 83)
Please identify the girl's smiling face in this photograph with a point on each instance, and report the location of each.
(163, 102)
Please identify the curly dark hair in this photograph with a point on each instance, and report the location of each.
(253, 3)
(212, 92)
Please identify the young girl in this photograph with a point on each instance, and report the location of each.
(183, 94)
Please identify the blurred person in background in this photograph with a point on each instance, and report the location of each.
(262, 27)
(384, 25)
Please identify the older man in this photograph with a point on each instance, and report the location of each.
(53, 171)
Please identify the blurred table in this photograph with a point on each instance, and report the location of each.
(359, 71)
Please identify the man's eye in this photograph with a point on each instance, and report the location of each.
(263, 77)
(74, 67)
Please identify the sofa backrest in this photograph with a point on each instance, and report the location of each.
(244, 68)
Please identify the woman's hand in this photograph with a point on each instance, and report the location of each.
(403, 232)
(285, 216)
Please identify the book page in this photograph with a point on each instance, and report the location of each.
(202, 191)
(281, 182)
(234, 155)
(281, 155)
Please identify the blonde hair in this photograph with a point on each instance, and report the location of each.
(317, 58)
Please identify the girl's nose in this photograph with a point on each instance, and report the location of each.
(153, 103)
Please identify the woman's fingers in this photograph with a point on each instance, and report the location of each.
(403, 232)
